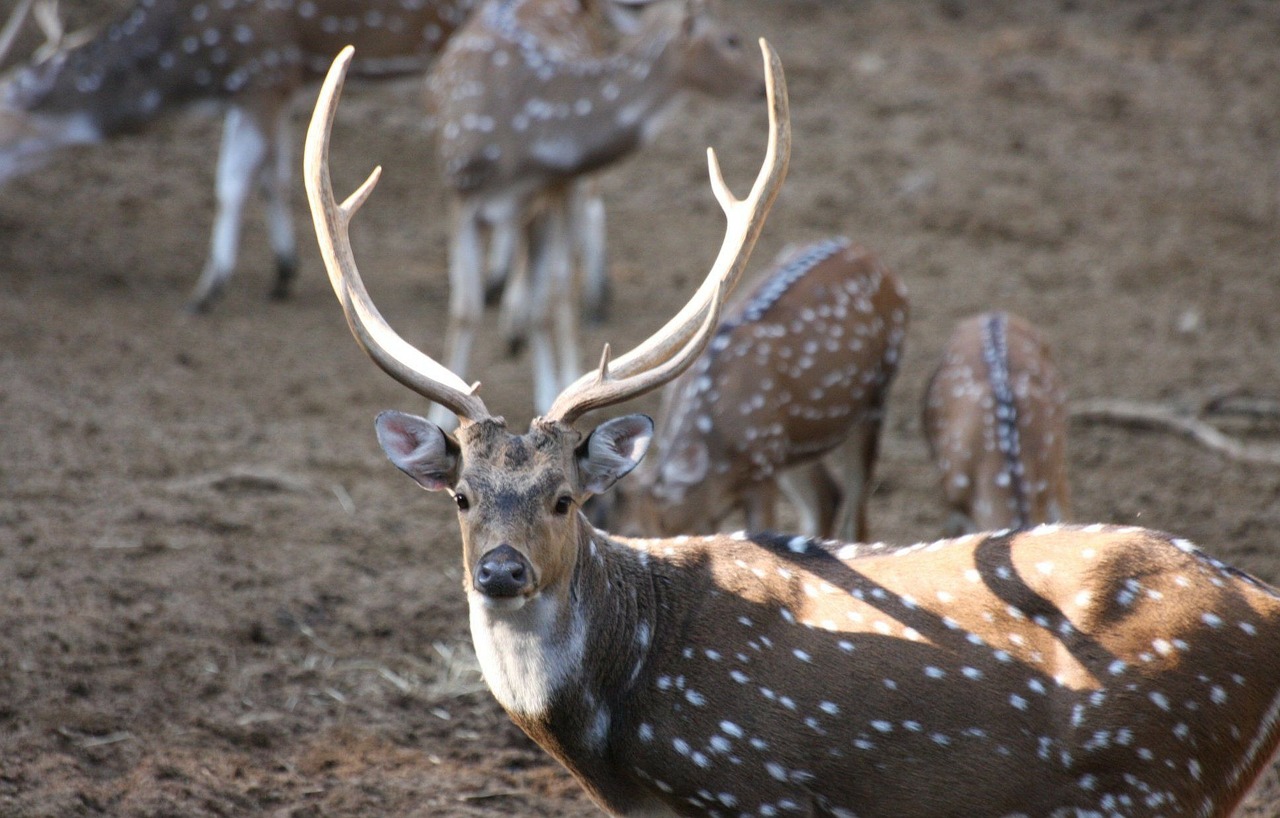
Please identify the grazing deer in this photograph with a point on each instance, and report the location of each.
(529, 97)
(249, 56)
(799, 369)
(995, 419)
(1062, 671)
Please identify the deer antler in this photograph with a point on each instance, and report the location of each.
(673, 348)
(388, 350)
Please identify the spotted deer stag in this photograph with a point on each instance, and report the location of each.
(249, 56)
(1062, 671)
(995, 420)
(800, 369)
(529, 98)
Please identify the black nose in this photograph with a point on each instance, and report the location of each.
(503, 572)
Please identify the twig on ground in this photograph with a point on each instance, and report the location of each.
(244, 479)
(484, 796)
(1166, 418)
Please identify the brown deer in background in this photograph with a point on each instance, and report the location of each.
(529, 97)
(1062, 671)
(800, 369)
(995, 419)
(248, 56)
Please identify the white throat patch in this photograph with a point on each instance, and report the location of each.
(523, 659)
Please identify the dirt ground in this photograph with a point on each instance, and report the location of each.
(217, 597)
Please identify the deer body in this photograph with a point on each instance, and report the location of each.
(1061, 671)
(250, 57)
(768, 676)
(995, 420)
(801, 368)
(530, 97)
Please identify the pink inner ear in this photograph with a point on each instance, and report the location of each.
(399, 437)
(418, 448)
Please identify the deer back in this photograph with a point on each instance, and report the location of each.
(161, 54)
(995, 420)
(391, 37)
(520, 101)
(807, 356)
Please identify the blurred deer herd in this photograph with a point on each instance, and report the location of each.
(530, 101)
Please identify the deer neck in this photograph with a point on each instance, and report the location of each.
(648, 76)
(690, 478)
(566, 664)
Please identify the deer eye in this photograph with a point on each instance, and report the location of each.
(563, 504)
(462, 501)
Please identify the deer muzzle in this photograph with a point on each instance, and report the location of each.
(503, 573)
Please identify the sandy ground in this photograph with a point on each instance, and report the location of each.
(218, 598)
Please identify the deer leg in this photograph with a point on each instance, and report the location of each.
(539, 341)
(466, 296)
(815, 496)
(276, 187)
(549, 262)
(244, 149)
(564, 292)
(509, 241)
(855, 461)
(757, 503)
(589, 235)
(504, 244)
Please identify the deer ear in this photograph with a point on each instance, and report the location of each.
(615, 448)
(419, 448)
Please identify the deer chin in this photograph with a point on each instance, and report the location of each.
(502, 603)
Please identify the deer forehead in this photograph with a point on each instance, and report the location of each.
(511, 470)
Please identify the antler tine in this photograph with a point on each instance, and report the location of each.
(660, 358)
(12, 26)
(388, 350)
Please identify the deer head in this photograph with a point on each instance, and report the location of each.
(518, 495)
